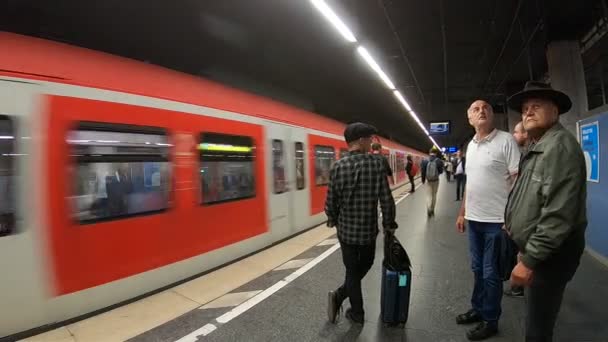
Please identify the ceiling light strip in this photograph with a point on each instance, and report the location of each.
(347, 34)
(372, 64)
(331, 16)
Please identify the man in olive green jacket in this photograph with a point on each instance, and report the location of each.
(546, 210)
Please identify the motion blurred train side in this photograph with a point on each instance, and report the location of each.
(118, 178)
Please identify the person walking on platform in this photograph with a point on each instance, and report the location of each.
(377, 150)
(546, 211)
(521, 138)
(433, 168)
(409, 169)
(357, 182)
(492, 161)
(460, 175)
(449, 168)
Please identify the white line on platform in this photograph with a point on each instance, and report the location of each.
(240, 309)
(193, 336)
(227, 317)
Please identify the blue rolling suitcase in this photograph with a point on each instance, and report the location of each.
(396, 283)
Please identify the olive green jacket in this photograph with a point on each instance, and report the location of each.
(546, 210)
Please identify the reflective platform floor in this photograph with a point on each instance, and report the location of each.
(289, 302)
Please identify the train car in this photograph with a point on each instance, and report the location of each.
(118, 178)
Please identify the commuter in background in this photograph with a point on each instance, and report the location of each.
(546, 212)
(492, 162)
(409, 169)
(423, 163)
(449, 168)
(460, 175)
(433, 168)
(521, 138)
(377, 150)
(357, 182)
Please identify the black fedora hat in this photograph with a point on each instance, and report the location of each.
(541, 90)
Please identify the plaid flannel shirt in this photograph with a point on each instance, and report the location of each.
(357, 182)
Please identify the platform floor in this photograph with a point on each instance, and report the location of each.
(289, 302)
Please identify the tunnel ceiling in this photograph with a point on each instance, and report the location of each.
(441, 54)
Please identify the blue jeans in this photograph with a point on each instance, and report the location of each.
(487, 293)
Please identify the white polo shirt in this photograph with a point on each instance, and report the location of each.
(490, 162)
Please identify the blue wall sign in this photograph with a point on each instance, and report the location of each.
(590, 139)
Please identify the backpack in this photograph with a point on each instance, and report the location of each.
(414, 170)
(432, 174)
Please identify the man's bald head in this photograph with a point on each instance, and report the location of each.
(520, 134)
(481, 115)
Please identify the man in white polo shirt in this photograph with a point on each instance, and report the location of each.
(492, 163)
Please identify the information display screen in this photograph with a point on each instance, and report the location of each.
(439, 127)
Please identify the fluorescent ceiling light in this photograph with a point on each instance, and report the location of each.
(331, 16)
(347, 34)
(402, 100)
(372, 64)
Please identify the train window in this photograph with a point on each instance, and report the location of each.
(278, 167)
(324, 159)
(343, 153)
(400, 162)
(300, 180)
(121, 171)
(227, 167)
(8, 177)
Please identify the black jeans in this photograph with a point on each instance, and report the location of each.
(412, 182)
(543, 300)
(358, 259)
(460, 183)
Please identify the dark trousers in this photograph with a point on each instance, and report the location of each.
(412, 182)
(358, 259)
(484, 248)
(543, 300)
(460, 182)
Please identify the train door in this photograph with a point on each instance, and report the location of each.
(299, 179)
(21, 284)
(279, 143)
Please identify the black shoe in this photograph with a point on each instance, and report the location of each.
(353, 318)
(516, 292)
(468, 317)
(333, 306)
(482, 331)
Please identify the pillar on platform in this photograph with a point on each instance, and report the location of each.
(567, 74)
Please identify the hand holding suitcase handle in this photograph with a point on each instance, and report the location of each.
(391, 230)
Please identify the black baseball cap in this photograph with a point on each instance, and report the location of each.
(358, 130)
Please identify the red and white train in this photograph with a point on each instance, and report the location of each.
(118, 178)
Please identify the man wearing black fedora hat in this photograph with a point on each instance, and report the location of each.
(546, 210)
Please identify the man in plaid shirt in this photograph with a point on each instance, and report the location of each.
(357, 182)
